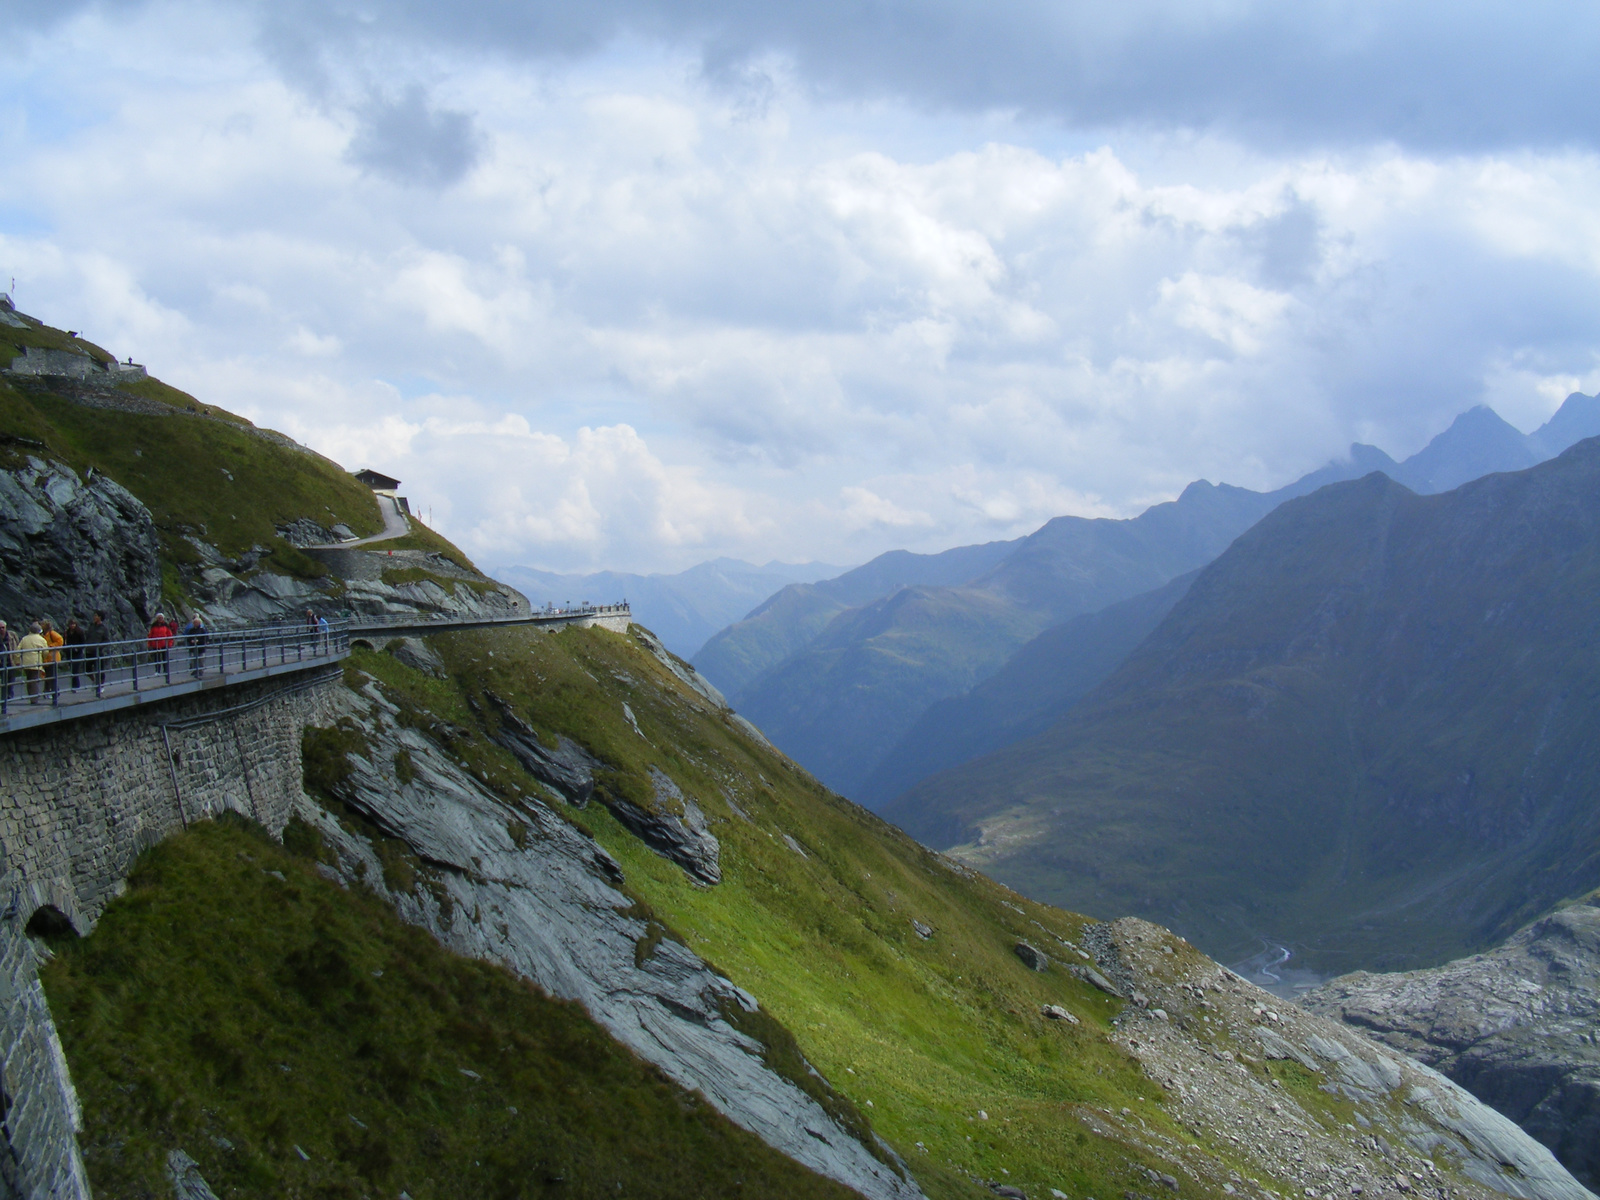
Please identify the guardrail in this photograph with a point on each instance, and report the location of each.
(63, 675)
(359, 622)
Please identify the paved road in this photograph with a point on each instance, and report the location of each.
(395, 524)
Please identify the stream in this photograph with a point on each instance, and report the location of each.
(1269, 969)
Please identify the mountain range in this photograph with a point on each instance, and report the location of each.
(1368, 731)
(546, 918)
(848, 676)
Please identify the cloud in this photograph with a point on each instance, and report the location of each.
(1430, 76)
(409, 141)
(653, 319)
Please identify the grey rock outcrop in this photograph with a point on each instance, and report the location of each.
(70, 545)
(510, 881)
(305, 532)
(418, 655)
(1032, 957)
(247, 589)
(1408, 1119)
(1518, 1027)
(674, 828)
(568, 768)
(187, 1182)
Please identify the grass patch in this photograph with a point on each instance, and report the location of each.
(248, 1018)
(423, 538)
(917, 1036)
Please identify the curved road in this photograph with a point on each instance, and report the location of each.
(394, 525)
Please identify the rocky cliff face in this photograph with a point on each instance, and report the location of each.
(235, 591)
(1519, 1027)
(1298, 1096)
(513, 882)
(70, 545)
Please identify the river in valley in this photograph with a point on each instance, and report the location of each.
(1273, 969)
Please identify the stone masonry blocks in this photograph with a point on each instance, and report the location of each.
(78, 802)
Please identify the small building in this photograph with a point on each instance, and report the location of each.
(378, 482)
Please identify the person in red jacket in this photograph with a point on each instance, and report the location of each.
(159, 642)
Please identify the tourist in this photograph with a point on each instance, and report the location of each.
(159, 643)
(75, 639)
(194, 636)
(96, 651)
(322, 633)
(8, 657)
(30, 655)
(52, 658)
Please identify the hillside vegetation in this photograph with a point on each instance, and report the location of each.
(300, 1040)
(201, 471)
(1368, 731)
(814, 915)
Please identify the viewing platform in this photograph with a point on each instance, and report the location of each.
(124, 674)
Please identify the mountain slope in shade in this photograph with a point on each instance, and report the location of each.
(685, 608)
(1371, 729)
(1031, 692)
(1576, 419)
(1059, 667)
(1478, 442)
(785, 623)
(840, 703)
(861, 683)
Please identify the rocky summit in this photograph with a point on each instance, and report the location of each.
(1518, 1026)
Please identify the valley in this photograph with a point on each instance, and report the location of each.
(546, 914)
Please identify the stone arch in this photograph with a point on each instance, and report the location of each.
(48, 921)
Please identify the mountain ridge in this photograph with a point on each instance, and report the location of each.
(1361, 730)
(1045, 577)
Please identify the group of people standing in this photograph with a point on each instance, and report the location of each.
(43, 656)
(38, 654)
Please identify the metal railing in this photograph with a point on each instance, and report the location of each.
(62, 675)
(361, 621)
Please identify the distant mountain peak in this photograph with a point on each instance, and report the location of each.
(1577, 418)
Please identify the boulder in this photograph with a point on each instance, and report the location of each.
(1032, 957)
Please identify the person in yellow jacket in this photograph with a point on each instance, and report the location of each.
(31, 651)
(52, 656)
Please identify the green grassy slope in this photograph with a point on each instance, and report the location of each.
(299, 1040)
(921, 1035)
(1368, 731)
(200, 470)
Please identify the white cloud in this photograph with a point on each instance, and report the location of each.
(626, 317)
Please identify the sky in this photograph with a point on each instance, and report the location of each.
(633, 284)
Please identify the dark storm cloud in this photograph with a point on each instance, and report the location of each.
(1431, 76)
(409, 141)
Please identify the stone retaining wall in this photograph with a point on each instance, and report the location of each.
(78, 802)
